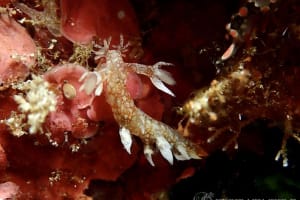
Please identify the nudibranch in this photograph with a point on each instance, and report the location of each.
(110, 78)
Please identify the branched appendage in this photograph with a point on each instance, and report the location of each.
(16, 124)
(46, 18)
(34, 106)
(207, 108)
(200, 107)
(7, 10)
(113, 71)
(288, 133)
(43, 64)
(81, 54)
(207, 105)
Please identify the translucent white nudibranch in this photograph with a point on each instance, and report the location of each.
(132, 120)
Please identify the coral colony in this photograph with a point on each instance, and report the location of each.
(77, 105)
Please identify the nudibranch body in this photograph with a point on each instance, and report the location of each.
(110, 77)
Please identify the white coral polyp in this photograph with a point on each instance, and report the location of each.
(37, 102)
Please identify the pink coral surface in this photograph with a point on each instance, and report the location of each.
(17, 52)
(81, 147)
(82, 20)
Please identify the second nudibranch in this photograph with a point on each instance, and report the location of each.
(133, 121)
